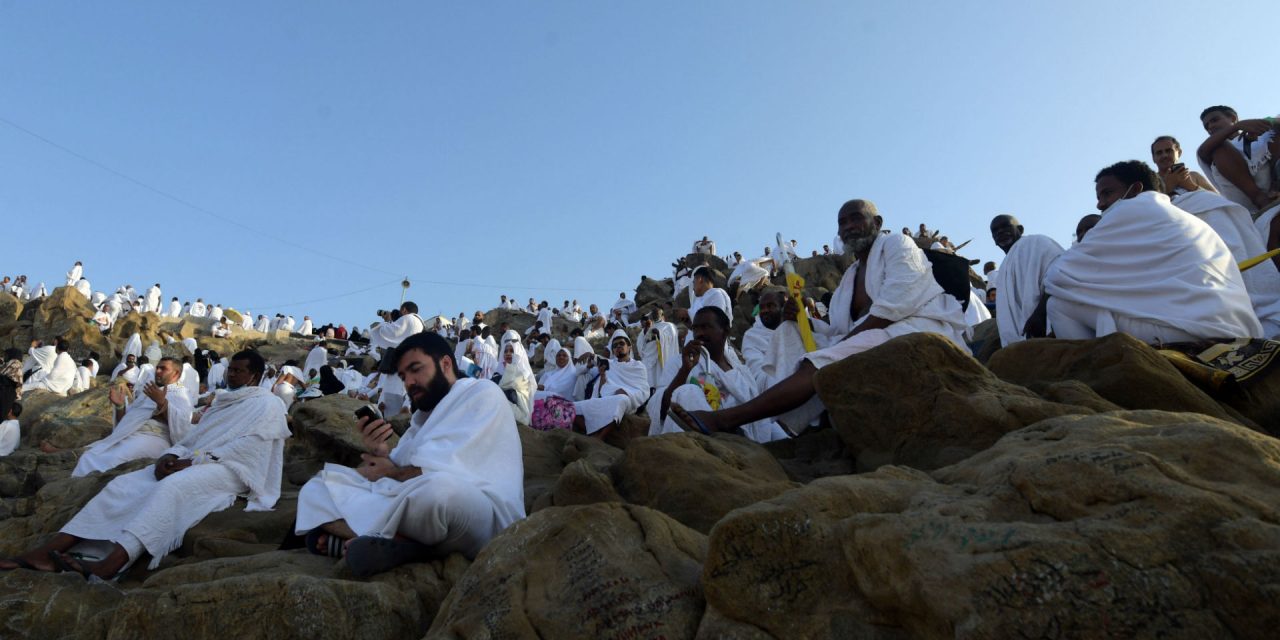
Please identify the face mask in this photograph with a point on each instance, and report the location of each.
(1118, 201)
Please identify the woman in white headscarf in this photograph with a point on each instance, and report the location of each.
(561, 380)
(518, 381)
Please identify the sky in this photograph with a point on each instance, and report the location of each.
(304, 157)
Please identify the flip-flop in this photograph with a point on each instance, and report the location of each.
(333, 548)
(65, 567)
(369, 555)
(695, 426)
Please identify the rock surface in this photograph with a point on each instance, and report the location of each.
(608, 571)
(1126, 524)
(1004, 511)
(939, 406)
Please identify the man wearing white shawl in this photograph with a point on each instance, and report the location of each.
(84, 288)
(317, 357)
(756, 341)
(215, 312)
(84, 377)
(1147, 269)
(58, 376)
(888, 291)
(129, 363)
(198, 308)
(711, 376)
(133, 346)
(389, 335)
(159, 416)
(706, 293)
(237, 449)
(517, 379)
(306, 329)
(455, 479)
(1237, 158)
(263, 325)
(1020, 301)
(622, 388)
(1235, 226)
(153, 299)
(73, 276)
(246, 320)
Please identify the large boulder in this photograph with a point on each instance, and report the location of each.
(696, 479)
(918, 400)
(10, 309)
(64, 314)
(651, 291)
(1119, 367)
(324, 430)
(280, 594)
(1123, 524)
(548, 454)
(592, 571)
(66, 421)
(821, 273)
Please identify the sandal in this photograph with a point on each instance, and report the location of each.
(691, 424)
(368, 555)
(333, 547)
(60, 562)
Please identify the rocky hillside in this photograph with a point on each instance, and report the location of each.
(1069, 489)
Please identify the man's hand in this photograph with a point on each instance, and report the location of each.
(1178, 176)
(690, 355)
(116, 396)
(375, 434)
(169, 464)
(374, 468)
(157, 394)
(790, 310)
(1253, 128)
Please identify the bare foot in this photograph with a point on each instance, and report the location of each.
(48, 448)
(29, 560)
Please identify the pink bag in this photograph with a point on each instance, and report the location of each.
(552, 412)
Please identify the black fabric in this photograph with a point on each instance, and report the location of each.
(952, 274)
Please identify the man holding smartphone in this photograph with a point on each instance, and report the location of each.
(454, 480)
(1166, 153)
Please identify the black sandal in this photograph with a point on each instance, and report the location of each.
(333, 548)
(65, 567)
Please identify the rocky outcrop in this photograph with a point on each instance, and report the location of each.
(920, 401)
(1119, 368)
(609, 571)
(1126, 524)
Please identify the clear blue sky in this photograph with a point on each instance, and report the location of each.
(571, 146)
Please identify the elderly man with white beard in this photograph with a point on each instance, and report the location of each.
(888, 291)
(454, 480)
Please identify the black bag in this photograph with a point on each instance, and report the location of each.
(952, 274)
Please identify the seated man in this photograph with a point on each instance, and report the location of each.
(1235, 227)
(159, 416)
(887, 292)
(1147, 269)
(756, 341)
(56, 376)
(238, 449)
(10, 432)
(712, 376)
(705, 247)
(455, 480)
(1238, 156)
(1175, 177)
(1020, 307)
(622, 388)
(627, 307)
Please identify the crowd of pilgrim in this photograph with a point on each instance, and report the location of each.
(1173, 256)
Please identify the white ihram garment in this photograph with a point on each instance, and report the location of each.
(237, 449)
(736, 386)
(138, 435)
(1020, 283)
(607, 405)
(471, 487)
(389, 335)
(1235, 226)
(58, 379)
(1153, 271)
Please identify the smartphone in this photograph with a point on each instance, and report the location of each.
(368, 411)
(1178, 167)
